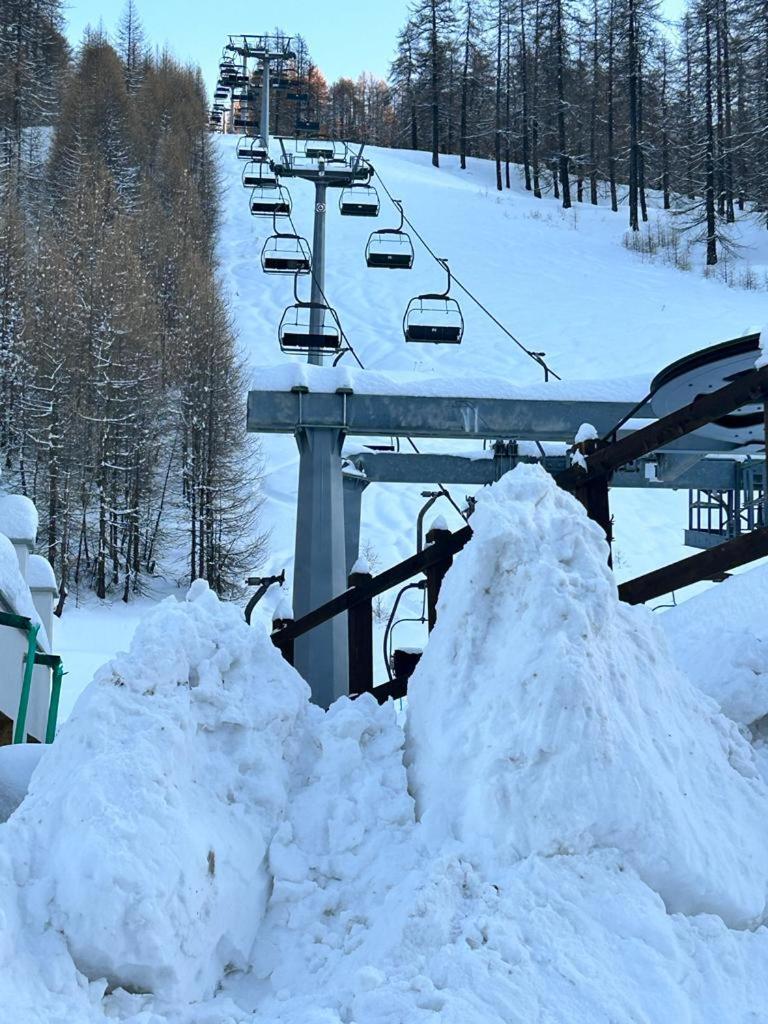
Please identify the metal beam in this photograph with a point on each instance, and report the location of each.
(703, 566)
(746, 390)
(284, 412)
(410, 468)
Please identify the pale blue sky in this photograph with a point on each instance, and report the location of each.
(345, 37)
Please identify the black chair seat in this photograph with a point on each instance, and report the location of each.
(290, 264)
(359, 210)
(304, 342)
(438, 335)
(390, 260)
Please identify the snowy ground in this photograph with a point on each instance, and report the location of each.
(567, 831)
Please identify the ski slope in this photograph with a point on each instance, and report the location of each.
(561, 281)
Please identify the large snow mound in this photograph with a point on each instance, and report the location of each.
(546, 717)
(720, 640)
(144, 836)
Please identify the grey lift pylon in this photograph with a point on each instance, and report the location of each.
(266, 49)
(320, 567)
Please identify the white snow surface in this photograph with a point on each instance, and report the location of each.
(203, 846)
(14, 588)
(534, 719)
(17, 762)
(40, 574)
(144, 833)
(720, 640)
(586, 432)
(18, 517)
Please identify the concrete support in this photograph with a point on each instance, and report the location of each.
(320, 566)
(354, 486)
(317, 315)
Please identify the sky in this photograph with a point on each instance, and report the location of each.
(346, 37)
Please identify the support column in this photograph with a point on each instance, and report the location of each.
(265, 104)
(354, 485)
(435, 575)
(317, 315)
(319, 571)
(593, 495)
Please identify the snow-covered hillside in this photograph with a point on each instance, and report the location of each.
(561, 281)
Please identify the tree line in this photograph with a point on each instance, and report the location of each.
(596, 101)
(121, 411)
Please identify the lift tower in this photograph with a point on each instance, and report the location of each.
(267, 50)
(319, 574)
(327, 165)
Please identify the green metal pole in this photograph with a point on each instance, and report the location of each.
(26, 686)
(53, 709)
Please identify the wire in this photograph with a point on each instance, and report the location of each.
(535, 356)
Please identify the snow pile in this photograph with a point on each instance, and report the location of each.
(13, 586)
(144, 835)
(729, 662)
(545, 717)
(17, 762)
(338, 859)
(18, 517)
(40, 574)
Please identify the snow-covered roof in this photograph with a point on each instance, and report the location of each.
(14, 592)
(18, 518)
(286, 376)
(40, 574)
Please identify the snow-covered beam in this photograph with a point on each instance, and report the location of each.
(540, 419)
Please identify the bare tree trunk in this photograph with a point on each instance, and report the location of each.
(561, 136)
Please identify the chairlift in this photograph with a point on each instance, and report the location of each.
(286, 253)
(257, 174)
(270, 202)
(246, 150)
(319, 150)
(390, 248)
(221, 93)
(298, 97)
(359, 201)
(309, 327)
(245, 121)
(434, 317)
(307, 126)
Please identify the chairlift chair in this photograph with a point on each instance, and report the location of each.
(359, 201)
(257, 174)
(319, 150)
(245, 147)
(286, 253)
(271, 202)
(307, 126)
(435, 317)
(299, 335)
(390, 248)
